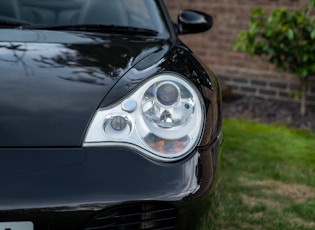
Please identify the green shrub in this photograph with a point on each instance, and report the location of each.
(286, 38)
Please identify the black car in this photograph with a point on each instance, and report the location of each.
(107, 120)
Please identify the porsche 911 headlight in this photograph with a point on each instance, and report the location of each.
(163, 118)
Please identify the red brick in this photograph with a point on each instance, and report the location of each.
(214, 47)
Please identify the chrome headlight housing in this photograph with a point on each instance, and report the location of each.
(163, 118)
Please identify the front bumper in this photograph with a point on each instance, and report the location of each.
(71, 188)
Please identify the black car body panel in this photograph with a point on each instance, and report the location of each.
(81, 176)
(52, 82)
(51, 89)
(54, 188)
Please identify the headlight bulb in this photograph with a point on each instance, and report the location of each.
(168, 106)
(117, 127)
(167, 94)
(118, 123)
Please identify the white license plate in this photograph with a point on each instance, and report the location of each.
(16, 225)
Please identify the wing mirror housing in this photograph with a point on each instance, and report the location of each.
(192, 21)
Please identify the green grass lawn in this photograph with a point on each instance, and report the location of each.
(267, 177)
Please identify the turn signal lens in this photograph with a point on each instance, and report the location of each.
(166, 146)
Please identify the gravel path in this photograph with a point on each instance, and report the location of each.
(270, 111)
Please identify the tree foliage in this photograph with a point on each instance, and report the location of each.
(286, 38)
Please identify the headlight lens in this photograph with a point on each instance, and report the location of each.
(164, 118)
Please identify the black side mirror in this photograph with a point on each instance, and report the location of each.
(191, 21)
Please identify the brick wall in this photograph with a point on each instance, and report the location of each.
(246, 75)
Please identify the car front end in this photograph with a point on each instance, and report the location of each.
(114, 129)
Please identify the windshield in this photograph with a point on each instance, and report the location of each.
(141, 14)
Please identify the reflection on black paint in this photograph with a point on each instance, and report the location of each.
(49, 99)
(89, 63)
(16, 57)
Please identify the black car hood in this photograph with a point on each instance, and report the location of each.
(51, 83)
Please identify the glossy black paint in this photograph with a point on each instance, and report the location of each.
(73, 177)
(51, 89)
(192, 21)
(55, 188)
(51, 84)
